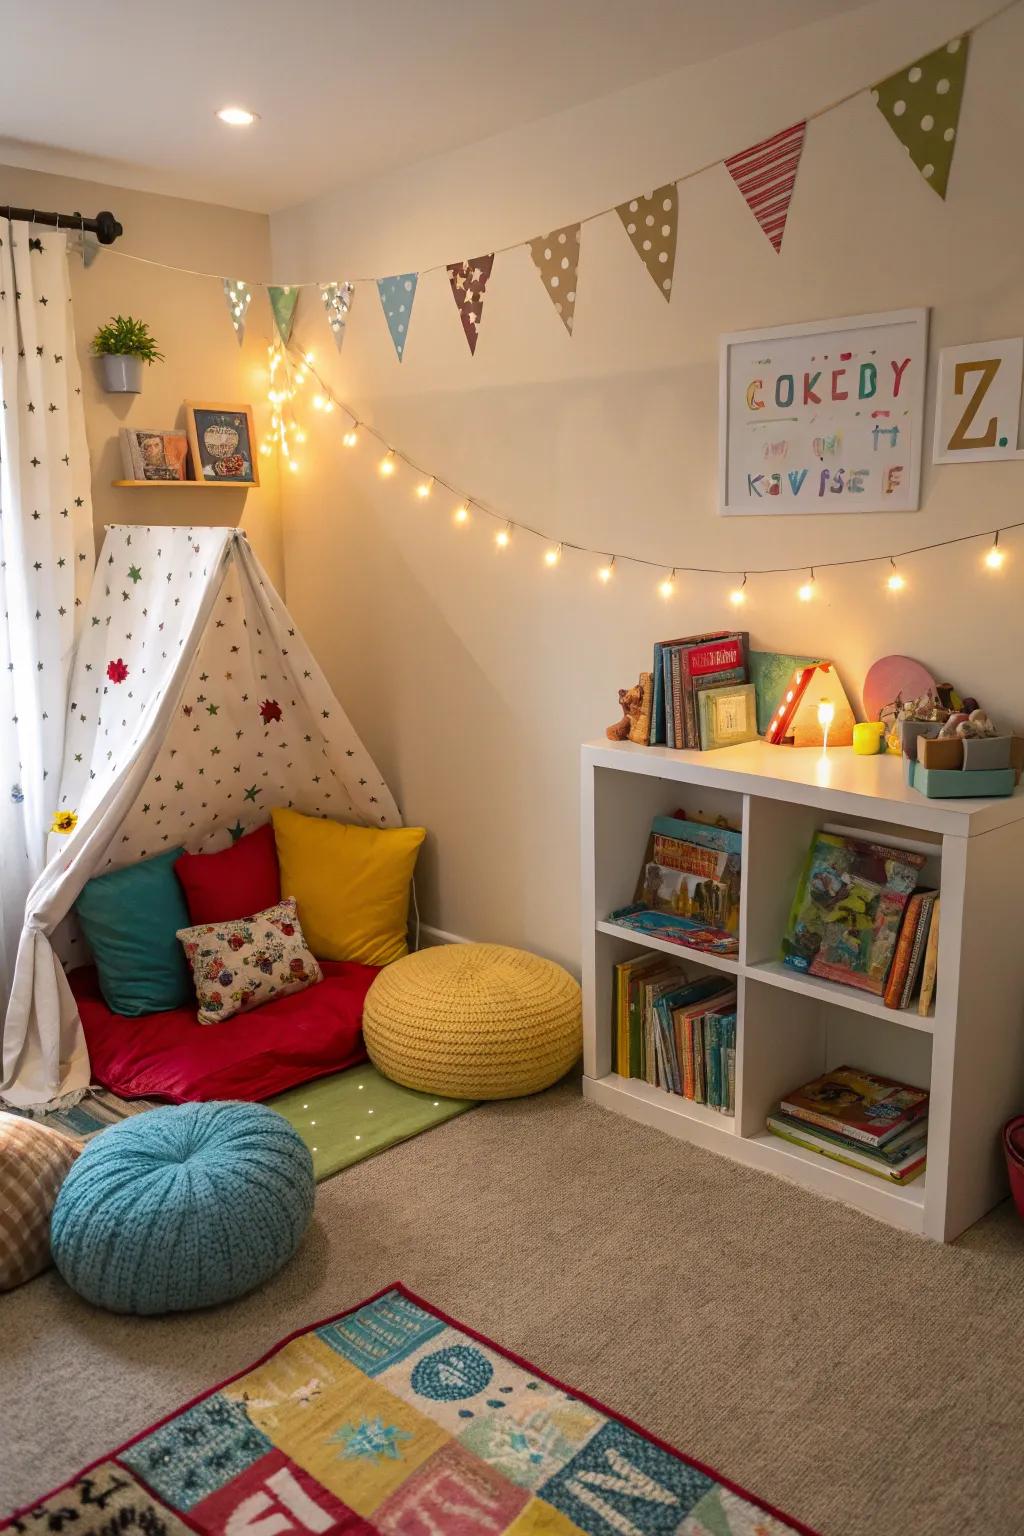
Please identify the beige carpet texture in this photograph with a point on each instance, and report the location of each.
(861, 1379)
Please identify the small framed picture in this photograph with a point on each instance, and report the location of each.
(154, 453)
(728, 716)
(223, 443)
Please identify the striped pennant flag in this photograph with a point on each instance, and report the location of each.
(766, 174)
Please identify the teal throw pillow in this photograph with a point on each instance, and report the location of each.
(131, 918)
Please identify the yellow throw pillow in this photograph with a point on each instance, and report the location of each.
(351, 884)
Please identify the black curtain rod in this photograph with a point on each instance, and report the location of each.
(104, 226)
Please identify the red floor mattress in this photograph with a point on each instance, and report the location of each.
(250, 1056)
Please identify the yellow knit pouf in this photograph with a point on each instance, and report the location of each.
(473, 1021)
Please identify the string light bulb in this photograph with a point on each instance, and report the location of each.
(553, 555)
(461, 513)
(607, 571)
(351, 437)
(996, 557)
(503, 537)
(738, 595)
(318, 402)
(895, 581)
(387, 463)
(667, 587)
(425, 487)
(805, 592)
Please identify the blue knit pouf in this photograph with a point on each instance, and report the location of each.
(183, 1207)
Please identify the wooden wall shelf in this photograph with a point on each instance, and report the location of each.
(184, 485)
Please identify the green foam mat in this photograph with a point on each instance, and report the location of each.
(351, 1115)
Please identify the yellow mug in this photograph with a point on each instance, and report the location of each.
(868, 737)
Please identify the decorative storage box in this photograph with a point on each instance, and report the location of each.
(957, 783)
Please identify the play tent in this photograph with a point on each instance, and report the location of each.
(194, 707)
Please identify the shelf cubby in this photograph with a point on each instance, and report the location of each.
(969, 1052)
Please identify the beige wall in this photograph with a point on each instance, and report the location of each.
(189, 319)
(473, 676)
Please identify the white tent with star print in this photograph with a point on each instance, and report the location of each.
(195, 707)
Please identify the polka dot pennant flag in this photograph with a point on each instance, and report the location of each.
(396, 296)
(469, 281)
(282, 303)
(556, 257)
(922, 107)
(239, 297)
(650, 222)
(766, 175)
(337, 299)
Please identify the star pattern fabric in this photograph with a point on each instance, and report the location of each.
(46, 552)
(469, 281)
(196, 707)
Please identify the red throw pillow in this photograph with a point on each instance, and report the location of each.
(236, 882)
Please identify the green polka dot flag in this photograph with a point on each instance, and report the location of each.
(922, 107)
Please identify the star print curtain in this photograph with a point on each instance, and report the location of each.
(195, 707)
(46, 551)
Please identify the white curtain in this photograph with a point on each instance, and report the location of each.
(46, 553)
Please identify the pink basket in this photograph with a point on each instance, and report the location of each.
(1013, 1146)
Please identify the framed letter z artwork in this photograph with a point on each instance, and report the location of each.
(978, 402)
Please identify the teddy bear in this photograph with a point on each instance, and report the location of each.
(631, 702)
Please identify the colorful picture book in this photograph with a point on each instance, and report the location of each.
(908, 962)
(900, 1164)
(688, 889)
(674, 1032)
(859, 1105)
(848, 909)
(682, 670)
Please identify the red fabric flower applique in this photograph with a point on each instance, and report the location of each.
(117, 671)
(270, 709)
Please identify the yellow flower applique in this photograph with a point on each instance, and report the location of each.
(64, 821)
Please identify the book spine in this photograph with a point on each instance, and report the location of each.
(900, 966)
(678, 718)
(931, 961)
(670, 706)
(688, 1085)
(917, 952)
(714, 1059)
(657, 736)
(838, 1157)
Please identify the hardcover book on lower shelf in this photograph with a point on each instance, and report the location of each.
(676, 1032)
(859, 1118)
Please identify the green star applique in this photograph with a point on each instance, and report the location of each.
(134, 573)
(212, 709)
(250, 794)
(236, 831)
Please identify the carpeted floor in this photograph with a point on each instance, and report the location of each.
(856, 1377)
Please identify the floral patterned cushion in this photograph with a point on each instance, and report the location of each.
(239, 964)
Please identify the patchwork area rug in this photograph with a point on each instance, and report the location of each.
(342, 1119)
(393, 1418)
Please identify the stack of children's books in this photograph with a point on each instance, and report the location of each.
(674, 1032)
(682, 671)
(859, 918)
(688, 892)
(868, 1122)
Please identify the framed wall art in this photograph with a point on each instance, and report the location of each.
(825, 416)
(223, 443)
(978, 402)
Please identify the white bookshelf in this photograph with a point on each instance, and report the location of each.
(969, 1053)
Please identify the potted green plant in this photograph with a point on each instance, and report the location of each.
(123, 345)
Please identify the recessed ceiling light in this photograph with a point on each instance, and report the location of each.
(238, 117)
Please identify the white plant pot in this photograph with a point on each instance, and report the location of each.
(122, 374)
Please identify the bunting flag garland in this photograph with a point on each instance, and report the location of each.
(396, 296)
(239, 297)
(337, 299)
(922, 107)
(766, 174)
(469, 281)
(283, 302)
(650, 222)
(556, 257)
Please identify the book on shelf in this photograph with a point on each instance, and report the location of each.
(931, 962)
(674, 930)
(676, 1032)
(681, 669)
(905, 970)
(848, 908)
(900, 1168)
(858, 1105)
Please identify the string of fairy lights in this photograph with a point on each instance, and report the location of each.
(290, 370)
